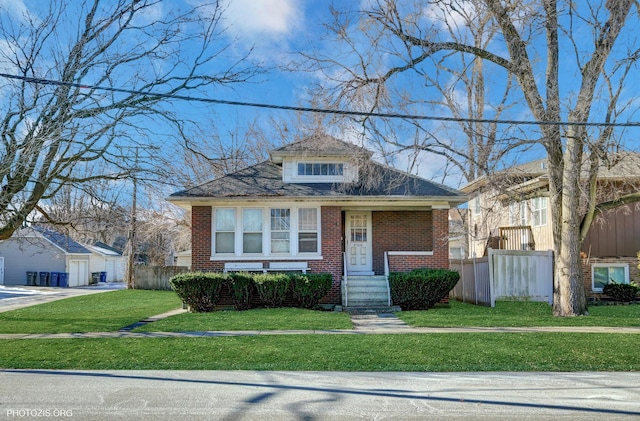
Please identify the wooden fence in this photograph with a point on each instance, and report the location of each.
(508, 275)
(475, 284)
(155, 277)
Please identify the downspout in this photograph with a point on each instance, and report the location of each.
(386, 277)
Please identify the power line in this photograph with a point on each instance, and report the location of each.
(319, 110)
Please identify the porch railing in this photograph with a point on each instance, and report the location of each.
(516, 238)
(386, 277)
(345, 290)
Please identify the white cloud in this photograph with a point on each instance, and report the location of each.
(15, 8)
(258, 18)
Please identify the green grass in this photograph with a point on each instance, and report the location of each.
(102, 312)
(257, 319)
(410, 352)
(518, 314)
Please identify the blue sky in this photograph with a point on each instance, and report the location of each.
(276, 29)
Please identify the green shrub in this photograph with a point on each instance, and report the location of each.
(242, 289)
(621, 292)
(309, 288)
(272, 288)
(421, 289)
(199, 290)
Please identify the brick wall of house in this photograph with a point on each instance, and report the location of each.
(587, 264)
(331, 248)
(410, 231)
(201, 241)
(331, 217)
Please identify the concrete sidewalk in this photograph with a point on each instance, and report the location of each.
(386, 323)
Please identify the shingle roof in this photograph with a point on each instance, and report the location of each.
(623, 165)
(264, 180)
(63, 241)
(319, 145)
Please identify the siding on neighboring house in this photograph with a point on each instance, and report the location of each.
(31, 254)
(616, 233)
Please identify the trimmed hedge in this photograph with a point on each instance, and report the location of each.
(309, 288)
(272, 288)
(199, 290)
(421, 289)
(621, 292)
(242, 289)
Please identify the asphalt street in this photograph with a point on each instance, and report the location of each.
(265, 395)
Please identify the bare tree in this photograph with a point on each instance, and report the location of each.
(565, 60)
(49, 129)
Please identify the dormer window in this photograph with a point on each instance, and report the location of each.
(320, 168)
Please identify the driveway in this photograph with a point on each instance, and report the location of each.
(14, 297)
(265, 395)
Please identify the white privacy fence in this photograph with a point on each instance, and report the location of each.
(509, 275)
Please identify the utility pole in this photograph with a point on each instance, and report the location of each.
(131, 240)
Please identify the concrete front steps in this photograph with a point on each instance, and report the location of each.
(367, 294)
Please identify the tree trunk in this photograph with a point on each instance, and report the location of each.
(569, 296)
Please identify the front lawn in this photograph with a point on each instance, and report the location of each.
(518, 314)
(256, 319)
(102, 312)
(338, 352)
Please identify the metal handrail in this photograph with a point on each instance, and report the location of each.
(344, 280)
(386, 277)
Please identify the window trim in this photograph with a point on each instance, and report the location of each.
(477, 206)
(267, 254)
(608, 265)
(539, 210)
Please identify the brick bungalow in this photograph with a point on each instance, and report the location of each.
(321, 205)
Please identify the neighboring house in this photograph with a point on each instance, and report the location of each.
(511, 210)
(42, 250)
(182, 258)
(321, 205)
(458, 243)
(109, 260)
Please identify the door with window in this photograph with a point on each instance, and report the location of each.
(358, 242)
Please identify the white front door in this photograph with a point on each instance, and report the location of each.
(358, 242)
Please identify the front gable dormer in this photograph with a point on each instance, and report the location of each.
(319, 159)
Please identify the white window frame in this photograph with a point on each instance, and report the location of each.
(541, 211)
(518, 214)
(347, 172)
(608, 265)
(477, 206)
(336, 165)
(315, 231)
(266, 234)
(214, 231)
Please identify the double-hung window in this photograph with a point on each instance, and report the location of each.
(225, 230)
(254, 232)
(251, 231)
(308, 230)
(280, 231)
(539, 211)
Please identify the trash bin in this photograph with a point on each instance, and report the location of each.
(53, 279)
(44, 279)
(32, 278)
(95, 277)
(63, 279)
(103, 276)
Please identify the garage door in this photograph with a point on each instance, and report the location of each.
(78, 273)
